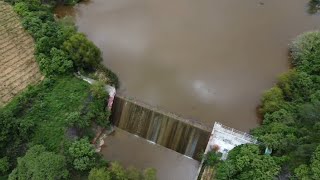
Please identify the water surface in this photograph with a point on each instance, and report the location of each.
(208, 60)
(131, 150)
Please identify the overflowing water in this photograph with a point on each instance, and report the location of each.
(184, 136)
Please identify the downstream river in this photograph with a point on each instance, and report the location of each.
(207, 60)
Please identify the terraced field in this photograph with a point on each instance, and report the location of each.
(18, 67)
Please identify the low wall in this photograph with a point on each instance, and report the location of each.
(167, 129)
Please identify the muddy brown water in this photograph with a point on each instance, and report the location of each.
(208, 60)
(131, 150)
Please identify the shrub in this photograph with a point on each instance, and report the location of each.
(212, 158)
(272, 100)
(98, 90)
(246, 162)
(82, 154)
(99, 174)
(295, 85)
(21, 8)
(83, 52)
(74, 119)
(305, 51)
(281, 116)
(57, 63)
(40, 164)
(4, 165)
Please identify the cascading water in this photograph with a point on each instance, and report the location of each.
(166, 129)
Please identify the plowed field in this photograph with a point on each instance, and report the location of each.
(18, 67)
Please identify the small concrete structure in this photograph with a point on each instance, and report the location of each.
(110, 89)
(223, 139)
(101, 133)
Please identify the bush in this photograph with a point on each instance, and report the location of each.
(75, 119)
(99, 91)
(21, 8)
(281, 116)
(296, 86)
(40, 164)
(82, 154)
(57, 63)
(246, 162)
(305, 51)
(99, 174)
(4, 165)
(272, 100)
(83, 52)
(212, 158)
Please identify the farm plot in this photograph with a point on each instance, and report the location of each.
(18, 67)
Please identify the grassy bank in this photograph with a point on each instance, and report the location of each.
(45, 131)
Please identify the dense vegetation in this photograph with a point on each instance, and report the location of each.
(45, 114)
(116, 171)
(291, 123)
(60, 49)
(45, 132)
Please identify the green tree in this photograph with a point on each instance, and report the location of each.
(21, 8)
(278, 136)
(315, 164)
(309, 113)
(295, 85)
(306, 172)
(75, 119)
(245, 162)
(83, 154)
(303, 172)
(281, 116)
(305, 51)
(98, 90)
(272, 100)
(57, 63)
(99, 174)
(4, 165)
(212, 158)
(39, 164)
(83, 52)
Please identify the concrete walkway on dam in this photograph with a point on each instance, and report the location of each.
(131, 150)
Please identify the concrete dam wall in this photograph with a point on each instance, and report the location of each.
(181, 135)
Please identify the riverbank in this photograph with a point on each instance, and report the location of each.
(46, 129)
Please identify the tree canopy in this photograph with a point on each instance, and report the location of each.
(246, 162)
(39, 164)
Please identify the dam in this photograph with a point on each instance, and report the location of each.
(185, 136)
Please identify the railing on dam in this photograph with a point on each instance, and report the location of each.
(185, 136)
